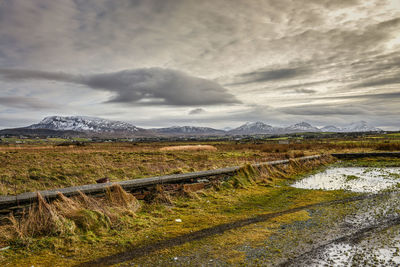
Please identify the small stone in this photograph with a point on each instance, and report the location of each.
(178, 220)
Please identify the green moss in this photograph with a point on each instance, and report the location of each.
(89, 220)
(376, 162)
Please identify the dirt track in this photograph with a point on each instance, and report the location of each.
(218, 229)
(305, 258)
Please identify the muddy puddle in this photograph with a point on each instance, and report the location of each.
(356, 179)
(380, 248)
(370, 234)
(367, 235)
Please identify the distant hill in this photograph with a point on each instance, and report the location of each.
(301, 127)
(41, 132)
(81, 125)
(331, 128)
(188, 130)
(252, 128)
(84, 124)
(258, 128)
(359, 126)
(74, 126)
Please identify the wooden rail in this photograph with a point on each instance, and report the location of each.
(8, 202)
(24, 199)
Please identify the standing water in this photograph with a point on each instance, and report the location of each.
(380, 247)
(356, 179)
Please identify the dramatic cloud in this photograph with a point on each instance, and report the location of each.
(25, 103)
(312, 60)
(196, 111)
(20, 75)
(271, 75)
(372, 97)
(143, 86)
(323, 110)
(379, 82)
(305, 91)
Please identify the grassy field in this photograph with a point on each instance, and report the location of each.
(70, 231)
(74, 230)
(29, 167)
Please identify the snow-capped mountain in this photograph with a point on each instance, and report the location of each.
(301, 127)
(86, 124)
(360, 126)
(188, 130)
(250, 128)
(331, 128)
(97, 127)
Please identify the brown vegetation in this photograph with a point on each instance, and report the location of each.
(82, 227)
(189, 148)
(31, 167)
(67, 216)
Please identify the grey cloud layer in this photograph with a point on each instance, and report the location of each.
(142, 86)
(25, 103)
(295, 56)
(324, 110)
(196, 111)
(379, 82)
(271, 75)
(187, 34)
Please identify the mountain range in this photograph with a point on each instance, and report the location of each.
(187, 130)
(90, 126)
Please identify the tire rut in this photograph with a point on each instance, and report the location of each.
(353, 237)
(207, 232)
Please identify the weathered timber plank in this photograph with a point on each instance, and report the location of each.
(25, 198)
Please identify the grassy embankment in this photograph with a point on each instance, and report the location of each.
(70, 231)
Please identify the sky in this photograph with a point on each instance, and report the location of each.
(217, 63)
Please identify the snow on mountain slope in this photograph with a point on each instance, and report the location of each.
(331, 128)
(84, 124)
(188, 130)
(360, 126)
(302, 127)
(111, 128)
(254, 128)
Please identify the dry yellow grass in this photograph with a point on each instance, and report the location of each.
(30, 167)
(25, 147)
(67, 216)
(82, 226)
(189, 148)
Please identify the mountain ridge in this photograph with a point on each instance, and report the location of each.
(188, 130)
(89, 125)
(93, 126)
